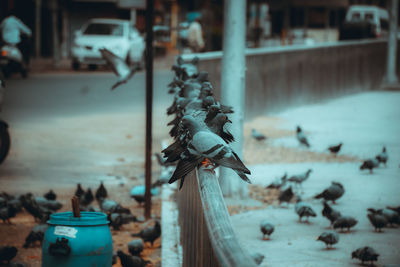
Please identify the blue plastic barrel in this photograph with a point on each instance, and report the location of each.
(77, 241)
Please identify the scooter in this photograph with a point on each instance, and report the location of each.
(4, 134)
(11, 61)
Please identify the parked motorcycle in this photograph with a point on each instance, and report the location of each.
(4, 134)
(11, 61)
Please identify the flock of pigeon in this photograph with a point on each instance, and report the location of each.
(40, 207)
(198, 129)
(379, 218)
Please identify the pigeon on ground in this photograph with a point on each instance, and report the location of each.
(203, 145)
(137, 192)
(50, 195)
(377, 220)
(300, 178)
(331, 214)
(111, 206)
(301, 137)
(278, 184)
(329, 238)
(119, 66)
(101, 192)
(135, 247)
(286, 195)
(344, 222)
(333, 192)
(36, 234)
(79, 191)
(370, 164)
(86, 198)
(7, 253)
(150, 234)
(383, 156)
(391, 216)
(52, 205)
(257, 135)
(257, 257)
(39, 213)
(304, 210)
(7, 212)
(131, 261)
(335, 149)
(396, 209)
(266, 228)
(365, 254)
(119, 219)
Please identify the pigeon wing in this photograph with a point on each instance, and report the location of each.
(118, 65)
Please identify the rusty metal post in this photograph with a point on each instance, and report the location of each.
(149, 104)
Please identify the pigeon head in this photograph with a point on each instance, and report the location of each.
(354, 254)
(208, 101)
(309, 171)
(221, 119)
(298, 129)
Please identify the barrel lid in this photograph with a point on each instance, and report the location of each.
(87, 218)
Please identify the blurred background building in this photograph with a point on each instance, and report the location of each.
(269, 22)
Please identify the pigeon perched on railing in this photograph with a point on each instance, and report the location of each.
(185, 70)
(331, 214)
(301, 137)
(50, 195)
(257, 135)
(304, 210)
(135, 247)
(335, 149)
(119, 66)
(279, 183)
(345, 222)
(333, 192)
(209, 148)
(216, 125)
(7, 253)
(329, 238)
(150, 234)
(365, 254)
(266, 228)
(383, 156)
(101, 192)
(377, 220)
(131, 261)
(370, 164)
(35, 235)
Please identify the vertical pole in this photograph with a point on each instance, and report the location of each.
(133, 16)
(391, 77)
(174, 24)
(38, 24)
(149, 103)
(56, 48)
(233, 86)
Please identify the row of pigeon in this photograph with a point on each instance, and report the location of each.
(198, 129)
(41, 207)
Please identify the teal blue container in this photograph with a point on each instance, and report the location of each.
(75, 242)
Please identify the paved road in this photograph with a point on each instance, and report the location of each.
(70, 127)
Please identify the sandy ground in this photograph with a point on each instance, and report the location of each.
(364, 123)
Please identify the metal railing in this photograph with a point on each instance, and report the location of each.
(207, 236)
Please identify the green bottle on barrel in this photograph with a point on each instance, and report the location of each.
(77, 241)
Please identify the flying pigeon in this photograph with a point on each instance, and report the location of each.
(331, 214)
(304, 210)
(369, 164)
(344, 222)
(266, 228)
(365, 254)
(329, 238)
(377, 220)
(383, 156)
(203, 145)
(333, 192)
(119, 66)
(257, 135)
(335, 149)
(301, 137)
(149, 234)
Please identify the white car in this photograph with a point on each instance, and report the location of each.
(118, 36)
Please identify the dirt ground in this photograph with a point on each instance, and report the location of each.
(16, 233)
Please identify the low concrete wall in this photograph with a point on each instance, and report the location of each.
(281, 77)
